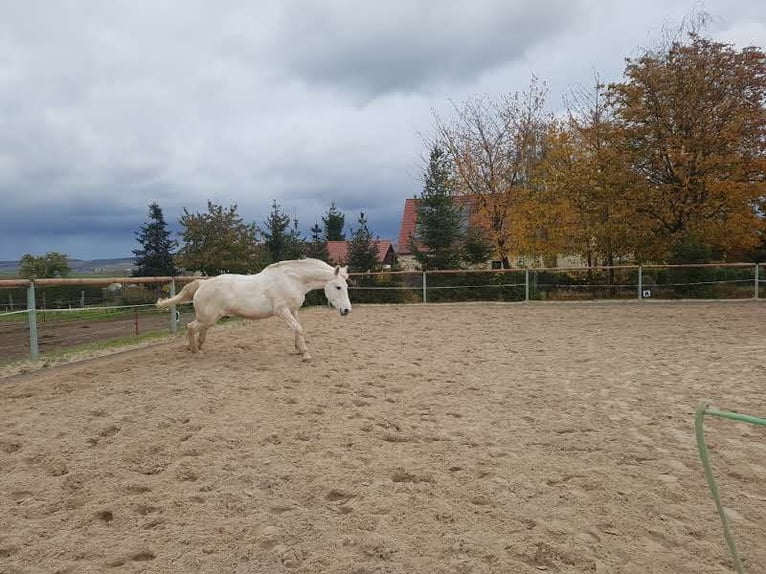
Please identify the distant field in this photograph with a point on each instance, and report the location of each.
(73, 275)
(79, 268)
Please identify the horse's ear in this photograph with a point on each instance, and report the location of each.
(344, 271)
(337, 270)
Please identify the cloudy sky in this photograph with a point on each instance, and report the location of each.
(108, 106)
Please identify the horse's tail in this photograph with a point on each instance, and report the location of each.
(186, 295)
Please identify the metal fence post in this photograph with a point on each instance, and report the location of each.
(757, 281)
(526, 285)
(34, 350)
(640, 282)
(173, 322)
(424, 286)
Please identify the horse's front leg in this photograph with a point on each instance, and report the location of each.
(300, 341)
(297, 336)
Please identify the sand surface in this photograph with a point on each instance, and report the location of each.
(468, 438)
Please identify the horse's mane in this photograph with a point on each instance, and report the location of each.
(307, 262)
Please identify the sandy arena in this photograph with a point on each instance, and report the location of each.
(470, 438)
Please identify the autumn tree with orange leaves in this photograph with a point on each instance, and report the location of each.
(671, 160)
(588, 179)
(693, 123)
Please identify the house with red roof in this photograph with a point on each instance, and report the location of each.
(338, 252)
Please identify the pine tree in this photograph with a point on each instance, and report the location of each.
(317, 248)
(438, 231)
(155, 257)
(296, 244)
(362, 251)
(276, 236)
(333, 222)
(477, 249)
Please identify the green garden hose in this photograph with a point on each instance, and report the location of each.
(702, 410)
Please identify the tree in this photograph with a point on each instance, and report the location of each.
(219, 241)
(296, 245)
(52, 264)
(439, 224)
(333, 223)
(276, 237)
(758, 254)
(155, 257)
(317, 247)
(695, 129)
(587, 180)
(362, 251)
(495, 146)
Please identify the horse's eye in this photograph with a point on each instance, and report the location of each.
(338, 287)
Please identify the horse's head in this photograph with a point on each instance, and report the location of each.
(336, 291)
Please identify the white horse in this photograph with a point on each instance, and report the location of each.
(279, 289)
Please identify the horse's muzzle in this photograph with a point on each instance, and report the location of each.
(344, 312)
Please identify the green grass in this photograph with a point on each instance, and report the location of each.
(116, 344)
(53, 315)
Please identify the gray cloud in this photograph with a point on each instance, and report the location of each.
(105, 107)
(411, 46)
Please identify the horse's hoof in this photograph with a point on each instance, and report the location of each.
(306, 358)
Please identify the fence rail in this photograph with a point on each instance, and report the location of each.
(42, 302)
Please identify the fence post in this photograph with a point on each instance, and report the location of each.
(640, 282)
(173, 322)
(34, 350)
(757, 281)
(424, 286)
(526, 285)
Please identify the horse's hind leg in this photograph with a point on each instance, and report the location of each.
(202, 336)
(191, 333)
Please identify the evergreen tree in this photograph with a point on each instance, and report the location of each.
(276, 236)
(296, 244)
(155, 256)
(477, 249)
(362, 250)
(317, 248)
(333, 222)
(438, 230)
(219, 241)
